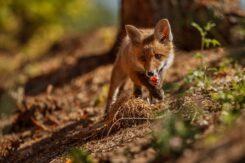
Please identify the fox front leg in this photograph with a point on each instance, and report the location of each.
(118, 79)
(137, 91)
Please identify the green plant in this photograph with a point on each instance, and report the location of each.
(205, 42)
(173, 136)
(232, 100)
(199, 77)
(225, 65)
(80, 156)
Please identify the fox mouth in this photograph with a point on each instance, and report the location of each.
(154, 80)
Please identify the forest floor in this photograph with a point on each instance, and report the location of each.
(59, 117)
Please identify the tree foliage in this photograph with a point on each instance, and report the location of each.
(23, 21)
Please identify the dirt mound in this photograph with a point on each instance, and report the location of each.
(126, 112)
(129, 110)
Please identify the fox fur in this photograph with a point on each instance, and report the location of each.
(143, 53)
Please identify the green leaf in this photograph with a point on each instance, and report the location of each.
(209, 26)
(198, 27)
(215, 43)
(207, 42)
(80, 156)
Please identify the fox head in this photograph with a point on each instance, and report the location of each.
(151, 48)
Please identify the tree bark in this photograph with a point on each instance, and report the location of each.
(181, 13)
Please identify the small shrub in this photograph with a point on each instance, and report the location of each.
(173, 136)
(199, 78)
(80, 156)
(206, 42)
(232, 100)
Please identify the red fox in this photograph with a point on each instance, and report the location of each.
(144, 56)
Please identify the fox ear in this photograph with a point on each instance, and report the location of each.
(134, 34)
(163, 31)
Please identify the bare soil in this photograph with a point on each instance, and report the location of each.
(64, 107)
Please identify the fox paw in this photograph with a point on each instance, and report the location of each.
(152, 100)
(158, 94)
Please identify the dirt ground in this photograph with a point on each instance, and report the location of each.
(63, 108)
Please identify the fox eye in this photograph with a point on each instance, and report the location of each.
(142, 58)
(158, 56)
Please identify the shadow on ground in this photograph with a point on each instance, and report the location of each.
(65, 74)
(46, 149)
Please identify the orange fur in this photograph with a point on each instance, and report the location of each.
(142, 52)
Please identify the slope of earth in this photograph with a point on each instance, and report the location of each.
(63, 109)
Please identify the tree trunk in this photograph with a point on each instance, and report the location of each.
(181, 13)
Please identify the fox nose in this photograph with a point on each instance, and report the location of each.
(149, 73)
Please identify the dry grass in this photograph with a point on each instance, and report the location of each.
(8, 144)
(125, 112)
(129, 110)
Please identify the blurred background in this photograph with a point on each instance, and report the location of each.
(56, 58)
(33, 31)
